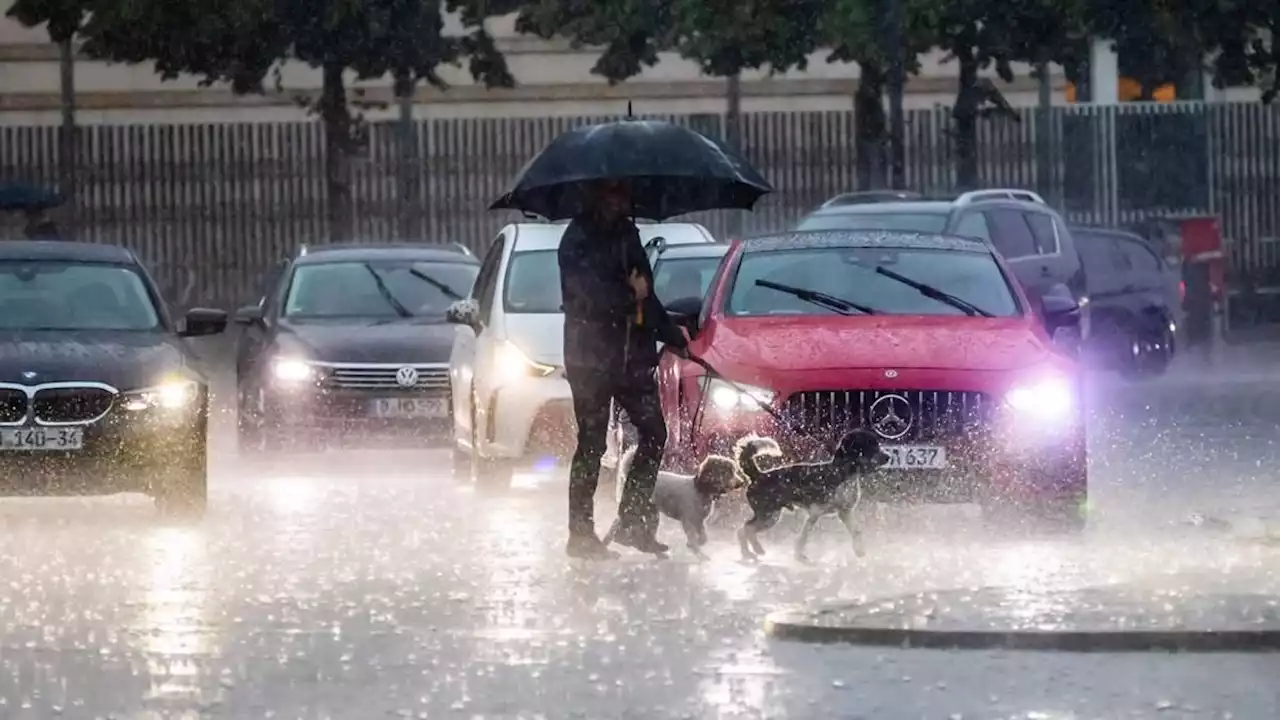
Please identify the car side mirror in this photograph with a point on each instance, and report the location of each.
(249, 315)
(202, 322)
(685, 313)
(1059, 309)
(464, 312)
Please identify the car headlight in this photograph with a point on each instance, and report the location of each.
(173, 395)
(291, 370)
(512, 363)
(1049, 399)
(728, 398)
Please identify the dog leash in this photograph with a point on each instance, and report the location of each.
(716, 374)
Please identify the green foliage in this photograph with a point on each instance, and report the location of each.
(630, 33)
(726, 37)
(1243, 36)
(240, 41)
(64, 17)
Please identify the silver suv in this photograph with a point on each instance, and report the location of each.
(1029, 234)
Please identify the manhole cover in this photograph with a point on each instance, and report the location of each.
(1098, 619)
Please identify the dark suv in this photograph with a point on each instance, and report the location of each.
(1029, 234)
(1131, 302)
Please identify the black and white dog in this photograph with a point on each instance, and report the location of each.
(833, 487)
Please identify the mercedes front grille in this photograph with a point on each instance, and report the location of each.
(904, 416)
(423, 378)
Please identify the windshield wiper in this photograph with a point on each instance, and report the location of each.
(401, 310)
(830, 302)
(453, 294)
(934, 293)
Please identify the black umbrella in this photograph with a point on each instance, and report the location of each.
(27, 197)
(670, 170)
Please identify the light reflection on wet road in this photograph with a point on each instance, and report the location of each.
(365, 585)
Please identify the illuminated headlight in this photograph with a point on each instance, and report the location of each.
(727, 398)
(511, 363)
(1051, 399)
(170, 396)
(291, 371)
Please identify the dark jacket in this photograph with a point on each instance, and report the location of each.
(599, 306)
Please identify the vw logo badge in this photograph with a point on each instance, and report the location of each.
(891, 417)
(29, 375)
(891, 374)
(406, 377)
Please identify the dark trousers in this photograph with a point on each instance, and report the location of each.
(637, 393)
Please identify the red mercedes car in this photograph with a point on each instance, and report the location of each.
(925, 340)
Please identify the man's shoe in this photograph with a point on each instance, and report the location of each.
(638, 538)
(588, 547)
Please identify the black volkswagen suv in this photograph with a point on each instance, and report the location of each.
(349, 343)
(99, 393)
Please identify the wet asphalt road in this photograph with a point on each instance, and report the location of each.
(369, 585)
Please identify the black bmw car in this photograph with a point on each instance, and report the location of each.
(349, 344)
(98, 392)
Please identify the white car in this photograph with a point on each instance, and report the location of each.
(512, 408)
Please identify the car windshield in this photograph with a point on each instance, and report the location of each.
(922, 222)
(849, 275)
(533, 280)
(67, 295)
(377, 289)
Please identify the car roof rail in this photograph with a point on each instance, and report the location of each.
(999, 194)
(865, 197)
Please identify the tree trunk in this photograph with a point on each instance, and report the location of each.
(965, 115)
(1045, 166)
(407, 168)
(338, 146)
(67, 150)
(733, 133)
(870, 129)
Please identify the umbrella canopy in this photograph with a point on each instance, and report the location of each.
(670, 170)
(26, 197)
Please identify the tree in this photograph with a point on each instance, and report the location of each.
(855, 31)
(62, 19)
(980, 34)
(241, 42)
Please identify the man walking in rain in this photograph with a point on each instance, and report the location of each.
(612, 323)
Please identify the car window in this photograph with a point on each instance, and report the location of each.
(487, 280)
(377, 289)
(1011, 234)
(62, 295)
(677, 278)
(1045, 234)
(974, 225)
(1120, 261)
(1095, 256)
(922, 222)
(1142, 259)
(850, 274)
(533, 282)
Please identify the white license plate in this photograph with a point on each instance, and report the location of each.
(406, 408)
(915, 457)
(40, 438)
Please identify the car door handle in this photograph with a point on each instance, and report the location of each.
(1044, 271)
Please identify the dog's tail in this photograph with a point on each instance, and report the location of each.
(748, 451)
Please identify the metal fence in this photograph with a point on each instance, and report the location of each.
(211, 205)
